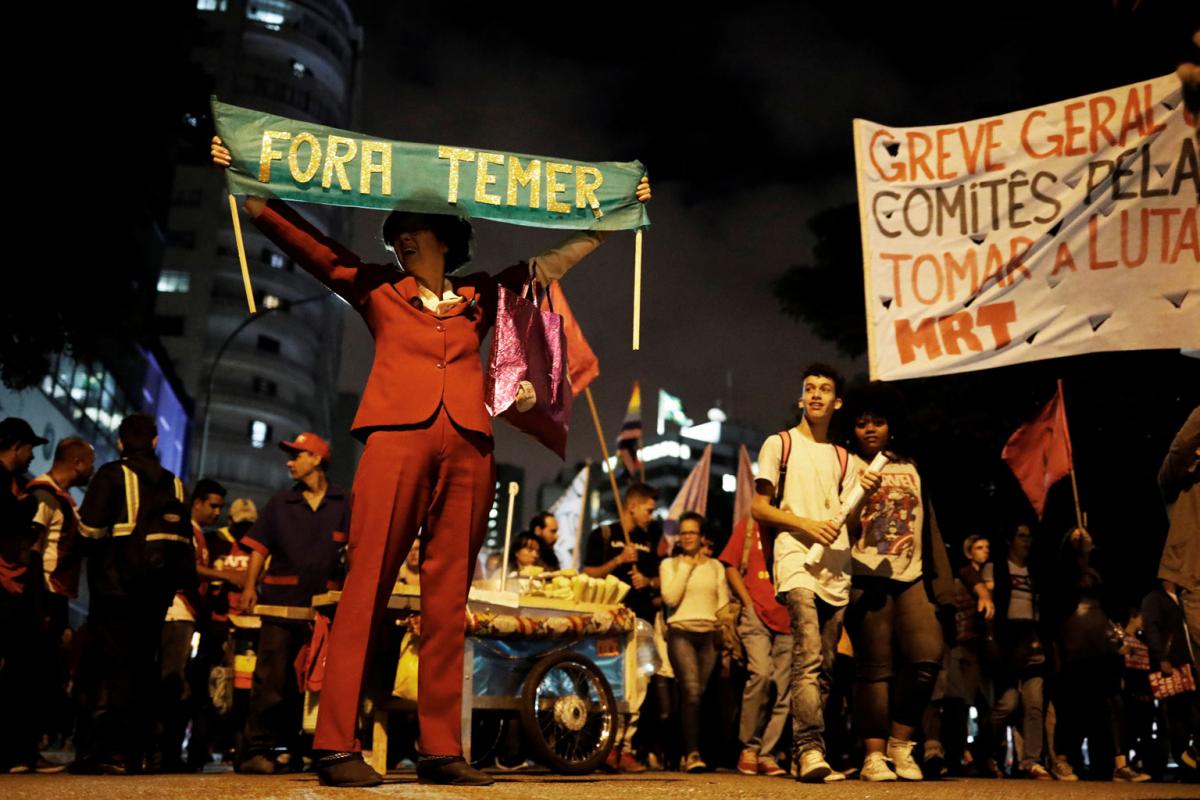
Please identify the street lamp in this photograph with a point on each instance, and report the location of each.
(212, 371)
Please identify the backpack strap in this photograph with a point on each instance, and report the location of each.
(786, 436)
(769, 534)
(843, 458)
(132, 501)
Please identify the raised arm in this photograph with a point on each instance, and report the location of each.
(554, 263)
(675, 573)
(324, 258)
(1179, 468)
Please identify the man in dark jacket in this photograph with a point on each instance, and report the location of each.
(1167, 638)
(20, 587)
(140, 554)
(1179, 480)
(302, 530)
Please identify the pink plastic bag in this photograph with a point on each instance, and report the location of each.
(529, 345)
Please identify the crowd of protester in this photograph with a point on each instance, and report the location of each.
(834, 635)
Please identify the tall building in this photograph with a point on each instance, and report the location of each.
(276, 376)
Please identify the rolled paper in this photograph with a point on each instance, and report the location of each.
(817, 551)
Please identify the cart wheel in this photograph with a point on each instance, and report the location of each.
(568, 713)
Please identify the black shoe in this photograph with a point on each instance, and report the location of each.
(450, 770)
(346, 769)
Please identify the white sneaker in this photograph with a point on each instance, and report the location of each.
(813, 767)
(875, 769)
(899, 752)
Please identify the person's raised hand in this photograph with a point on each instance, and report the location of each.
(823, 532)
(221, 157)
(643, 190)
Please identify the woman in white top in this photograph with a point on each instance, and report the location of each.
(693, 588)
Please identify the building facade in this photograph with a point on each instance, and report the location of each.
(276, 375)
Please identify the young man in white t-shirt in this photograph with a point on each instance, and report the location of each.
(815, 590)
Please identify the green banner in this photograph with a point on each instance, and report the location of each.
(292, 160)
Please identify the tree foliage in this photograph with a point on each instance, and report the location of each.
(827, 293)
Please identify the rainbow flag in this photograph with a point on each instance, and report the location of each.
(629, 440)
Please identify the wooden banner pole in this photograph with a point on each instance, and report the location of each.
(637, 290)
(241, 248)
(612, 477)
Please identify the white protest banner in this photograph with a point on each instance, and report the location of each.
(1063, 229)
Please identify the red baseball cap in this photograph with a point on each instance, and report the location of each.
(309, 443)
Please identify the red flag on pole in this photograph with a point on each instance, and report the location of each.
(582, 365)
(1039, 452)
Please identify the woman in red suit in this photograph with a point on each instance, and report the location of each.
(427, 464)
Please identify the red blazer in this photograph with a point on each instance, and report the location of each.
(422, 360)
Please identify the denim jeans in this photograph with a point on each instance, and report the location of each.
(693, 655)
(816, 627)
(769, 664)
(1028, 691)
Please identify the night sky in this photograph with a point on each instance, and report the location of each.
(743, 120)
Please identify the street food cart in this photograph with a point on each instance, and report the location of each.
(562, 665)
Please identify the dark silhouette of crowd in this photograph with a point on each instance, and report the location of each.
(835, 634)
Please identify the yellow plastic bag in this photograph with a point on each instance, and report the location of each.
(405, 686)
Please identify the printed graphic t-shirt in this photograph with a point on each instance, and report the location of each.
(889, 544)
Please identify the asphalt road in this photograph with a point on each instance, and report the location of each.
(651, 786)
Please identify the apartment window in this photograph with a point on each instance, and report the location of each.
(268, 344)
(174, 281)
(212, 5)
(269, 12)
(260, 433)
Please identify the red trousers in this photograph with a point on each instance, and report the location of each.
(441, 479)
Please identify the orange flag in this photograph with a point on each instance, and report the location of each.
(582, 365)
(1039, 452)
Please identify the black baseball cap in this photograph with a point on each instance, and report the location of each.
(14, 430)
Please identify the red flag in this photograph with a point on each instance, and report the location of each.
(1039, 452)
(582, 365)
